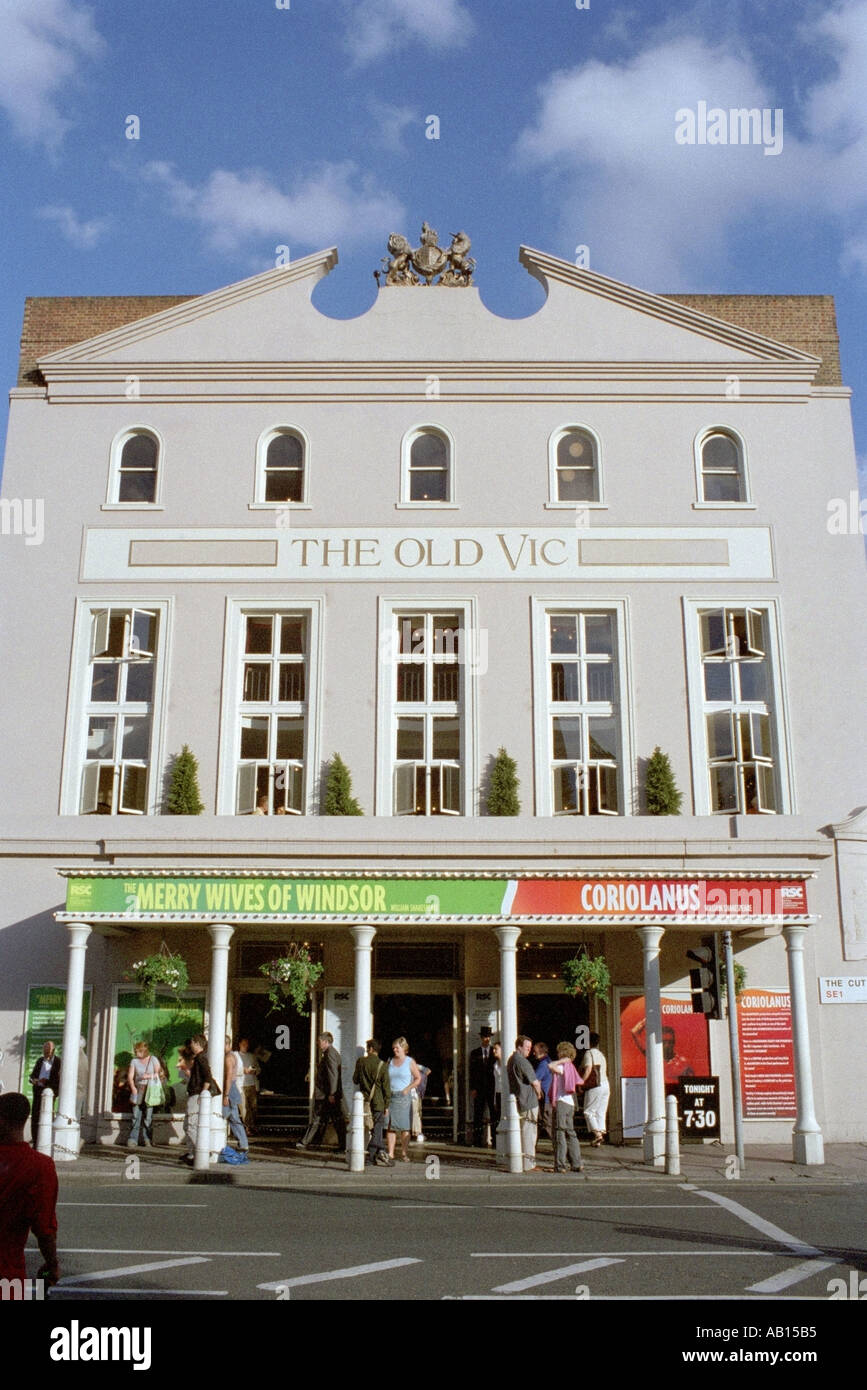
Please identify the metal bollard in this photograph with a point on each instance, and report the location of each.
(672, 1137)
(201, 1163)
(43, 1121)
(355, 1147)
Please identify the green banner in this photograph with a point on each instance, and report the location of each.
(46, 1010)
(140, 897)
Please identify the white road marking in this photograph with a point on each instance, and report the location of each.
(595, 1206)
(787, 1277)
(758, 1223)
(436, 1206)
(137, 1205)
(209, 1254)
(75, 1279)
(352, 1273)
(617, 1298)
(550, 1276)
(79, 1289)
(685, 1253)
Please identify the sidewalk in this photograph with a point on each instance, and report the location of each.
(276, 1165)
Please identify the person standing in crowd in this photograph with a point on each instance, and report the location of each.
(232, 1072)
(371, 1077)
(527, 1090)
(403, 1076)
(45, 1076)
(482, 1086)
(327, 1097)
(497, 1049)
(144, 1071)
(249, 1085)
(564, 1079)
(28, 1195)
(543, 1076)
(199, 1079)
(82, 1080)
(597, 1091)
(417, 1096)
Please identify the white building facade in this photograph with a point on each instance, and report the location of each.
(414, 538)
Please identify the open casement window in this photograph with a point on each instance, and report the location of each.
(738, 723)
(577, 471)
(583, 716)
(119, 711)
(271, 754)
(722, 469)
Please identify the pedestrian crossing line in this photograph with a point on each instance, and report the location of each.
(76, 1279)
(758, 1223)
(550, 1276)
(353, 1272)
(787, 1277)
(683, 1253)
(79, 1289)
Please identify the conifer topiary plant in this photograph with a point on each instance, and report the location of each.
(338, 799)
(662, 795)
(503, 797)
(184, 798)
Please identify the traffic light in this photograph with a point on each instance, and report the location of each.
(704, 983)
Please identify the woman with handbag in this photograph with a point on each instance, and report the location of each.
(144, 1079)
(597, 1091)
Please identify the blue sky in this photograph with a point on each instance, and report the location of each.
(306, 126)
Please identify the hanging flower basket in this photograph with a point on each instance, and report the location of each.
(160, 969)
(293, 976)
(588, 975)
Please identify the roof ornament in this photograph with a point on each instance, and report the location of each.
(428, 263)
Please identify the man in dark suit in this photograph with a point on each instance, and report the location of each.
(482, 1088)
(327, 1097)
(45, 1076)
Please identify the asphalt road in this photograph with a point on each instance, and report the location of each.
(513, 1239)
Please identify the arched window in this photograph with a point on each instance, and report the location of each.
(722, 471)
(427, 467)
(283, 473)
(135, 469)
(574, 468)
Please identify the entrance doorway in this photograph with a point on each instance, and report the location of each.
(425, 1020)
(551, 1018)
(272, 1029)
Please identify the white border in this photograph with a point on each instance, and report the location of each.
(553, 503)
(700, 503)
(111, 503)
(405, 503)
(259, 504)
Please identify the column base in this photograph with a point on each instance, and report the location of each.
(808, 1148)
(654, 1147)
(355, 1147)
(67, 1140)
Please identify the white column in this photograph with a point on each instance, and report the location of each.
(66, 1127)
(362, 936)
(654, 1128)
(221, 934)
(508, 1130)
(807, 1144)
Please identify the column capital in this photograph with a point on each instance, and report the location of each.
(507, 936)
(362, 935)
(221, 934)
(650, 937)
(794, 935)
(78, 933)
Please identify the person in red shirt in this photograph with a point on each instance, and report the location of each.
(28, 1195)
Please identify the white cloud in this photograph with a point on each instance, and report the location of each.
(662, 214)
(83, 235)
(392, 122)
(44, 45)
(332, 204)
(377, 27)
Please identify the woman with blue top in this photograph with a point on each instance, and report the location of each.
(403, 1077)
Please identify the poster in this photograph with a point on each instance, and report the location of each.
(46, 1010)
(685, 1046)
(164, 1028)
(340, 1022)
(483, 1007)
(633, 1102)
(767, 1054)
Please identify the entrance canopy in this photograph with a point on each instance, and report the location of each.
(610, 900)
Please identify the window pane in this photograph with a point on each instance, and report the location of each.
(105, 793)
(134, 789)
(285, 451)
(751, 790)
(136, 739)
(565, 791)
(410, 738)
(259, 636)
(450, 786)
(100, 737)
(603, 738)
(720, 741)
(137, 487)
(722, 487)
(404, 791)
(257, 680)
(429, 451)
(446, 634)
(410, 682)
(564, 681)
(717, 680)
(287, 790)
(283, 485)
(599, 634)
(140, 682)
(411, 632)
(447, 739)
(576, 485)
(753, 676)
(425, 486)
(254, 738)
(761, 736)
(767, 787)
(143, 637)
(89, 790)
(723, 796)
(446, 682)
(139, 452)
(103, 687)
(291, 635)
(564, 634)
(600, 680)
(290, 738)
(246, 790)
(291, 681)
(713, 633)
(719, 451)
(567, 739)
(607, 782)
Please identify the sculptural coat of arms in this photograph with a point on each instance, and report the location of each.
(428, 263)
